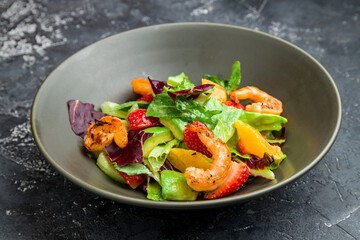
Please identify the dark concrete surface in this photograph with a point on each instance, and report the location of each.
(38, 203)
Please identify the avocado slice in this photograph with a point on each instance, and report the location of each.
(175, 187)
(106, 166)
(265, 173)
(176, 126)
(160, 135)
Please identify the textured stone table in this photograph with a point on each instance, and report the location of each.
(38, 203)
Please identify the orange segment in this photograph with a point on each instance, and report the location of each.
(254, 143)
(184, 158)
(219, 93)
(141, 86)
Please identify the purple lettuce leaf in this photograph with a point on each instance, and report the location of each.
(255, 162)
(192, 91)
(158, 86)
(133, 152)
(81, 116)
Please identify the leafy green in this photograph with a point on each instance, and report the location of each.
(228, 84)
(179, 82)
(216, 80)
(233, 147)
(235, 78)
(155, 174)
(133, 108)
(163, 106)
(224, 128)
(154, 190)
(272, 139)
(108, 108)
(126, 106)
(158, 155)
(192, 111)
(276, 163)
(133, 169)
(262, 122)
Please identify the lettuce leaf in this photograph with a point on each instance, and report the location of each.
(262, 122)
(180, 82)
(163, 106)
(126, 106)
(158, 155)
(81, 116)
(235, 77)
(108, 108)
(133, 169)
(275, 137)
(228, 84)
(224, 128)
(192, 111)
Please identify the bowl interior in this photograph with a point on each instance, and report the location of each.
(103, 72)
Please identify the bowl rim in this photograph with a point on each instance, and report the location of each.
(185, 204)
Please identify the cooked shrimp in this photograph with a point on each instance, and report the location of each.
(209, 179)
(102, 132)
(264, 103)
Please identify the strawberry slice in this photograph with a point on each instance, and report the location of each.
(234, 104)
(146, 98)
(237, 178)
(137, 120)
(193, 142)
(134, 180)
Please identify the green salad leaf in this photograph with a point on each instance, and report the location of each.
(108, 108)
(179, 82)
(224, 128)
(126, 106)
(261, 121)
(133, 169)
(158, 155)
(163, 106)
(228, 84)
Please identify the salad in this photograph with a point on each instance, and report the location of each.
(179, 141)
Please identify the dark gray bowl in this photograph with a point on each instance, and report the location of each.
(103, 71)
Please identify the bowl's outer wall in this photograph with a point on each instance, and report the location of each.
(103, 72)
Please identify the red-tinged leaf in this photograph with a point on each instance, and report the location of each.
(81, 116)
(132, 153)
(192, 91)
(138, 120)
(193, 142)
(238, 175)
(158, 86)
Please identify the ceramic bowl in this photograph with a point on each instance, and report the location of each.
(104, 70)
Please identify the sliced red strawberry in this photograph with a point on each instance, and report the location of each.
(134, 180)
(234, 104)
(193, 142)
(237, 177)
(137, 120)
(146, 98)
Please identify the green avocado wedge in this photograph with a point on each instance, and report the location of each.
(161, 135)
(106, 166)
(175, 187)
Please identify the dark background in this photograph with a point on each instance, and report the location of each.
(38, 203)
